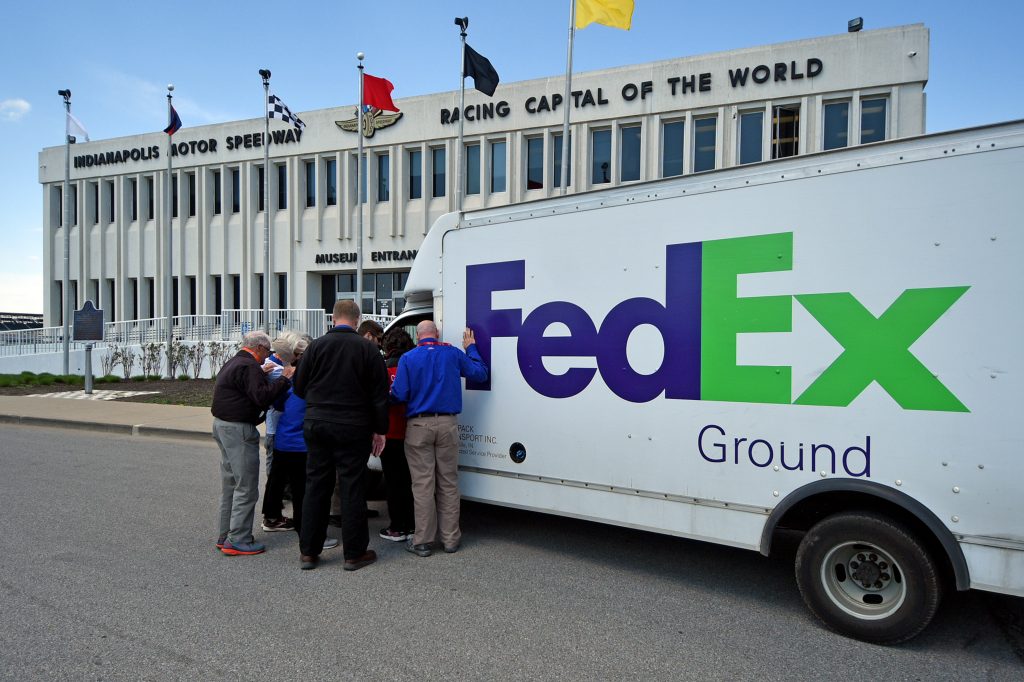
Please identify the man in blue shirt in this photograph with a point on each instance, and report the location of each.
(429, 383)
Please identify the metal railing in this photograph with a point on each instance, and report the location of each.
(230, 325)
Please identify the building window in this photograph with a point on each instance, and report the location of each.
(110, 201)
(383, 177)
(95, 191)
(438, 165)
(556, 169)
(150, 297)
(498, 166)
(332, 182)
(259, 190)
(149, 197)
(236, 190)
(472, 169)
(135, 199)
(361, 171)
(191, 194)
(174, 297)
(282, 291)
(383, 292)
(415, 175)
(704, 139)
(535, 163)
(58, 204)
(310, 184)
(216, 194)
(110, 304)
(629, 153)
(190, 282)
(236, 291)
(836, 125)
(785, 131)
(751, 136)
(133, 283)
(601, 157)
(282, 186)
(174, 196)
(218, 296)
(74, 204)
(872, 119)
(672, 141)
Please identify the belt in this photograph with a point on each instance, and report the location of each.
(432, 414)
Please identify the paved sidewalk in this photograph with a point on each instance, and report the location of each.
(136, 419)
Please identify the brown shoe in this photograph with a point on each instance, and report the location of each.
(368, 557)
(308, 562)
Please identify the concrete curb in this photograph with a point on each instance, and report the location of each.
(167, 432)
(138, 430)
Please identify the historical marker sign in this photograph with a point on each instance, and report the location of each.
(88, 323)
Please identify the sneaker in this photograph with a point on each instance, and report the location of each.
(419, 550)
(331, 543)
(394, 535)
(243, 548)
(220, 541)
(452, 549)
(275, 525)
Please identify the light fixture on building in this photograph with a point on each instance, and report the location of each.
(854, 25)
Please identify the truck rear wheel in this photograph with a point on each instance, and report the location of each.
(865, 576)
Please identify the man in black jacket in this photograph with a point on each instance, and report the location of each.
(344, 382)
(241, 395)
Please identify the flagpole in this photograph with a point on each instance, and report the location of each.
(168, 260)
(66, 194)
(359, 189)
(565, 102)
(460, 189)
(265, 74)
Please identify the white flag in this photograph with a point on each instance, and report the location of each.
(75, 127)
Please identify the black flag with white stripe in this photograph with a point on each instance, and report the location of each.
(278, 109)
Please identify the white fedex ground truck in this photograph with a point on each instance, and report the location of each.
(829, 343)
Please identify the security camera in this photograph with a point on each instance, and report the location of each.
(66, 94)
(462, 22)
(265, 74)
(912, 53)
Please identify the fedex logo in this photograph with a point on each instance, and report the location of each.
(699, 322)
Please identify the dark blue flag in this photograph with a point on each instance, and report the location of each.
(174, 124)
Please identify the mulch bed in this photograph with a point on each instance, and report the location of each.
(194, 392)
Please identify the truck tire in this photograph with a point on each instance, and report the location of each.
(866, 576)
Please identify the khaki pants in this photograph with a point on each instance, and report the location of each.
(432, 449)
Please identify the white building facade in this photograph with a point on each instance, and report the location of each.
(629, 124)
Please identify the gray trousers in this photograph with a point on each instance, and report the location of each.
(432, 449)
(239, 478)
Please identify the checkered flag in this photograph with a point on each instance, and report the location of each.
(278, 109)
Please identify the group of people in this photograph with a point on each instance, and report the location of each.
(330, 404)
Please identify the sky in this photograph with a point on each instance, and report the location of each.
(117, 58)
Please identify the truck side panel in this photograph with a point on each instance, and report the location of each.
(686, 360)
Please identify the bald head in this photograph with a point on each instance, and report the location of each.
(426, 330)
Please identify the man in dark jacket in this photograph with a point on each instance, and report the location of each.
(344, 382)
(241, 395)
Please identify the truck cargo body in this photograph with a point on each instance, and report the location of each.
(835, 336)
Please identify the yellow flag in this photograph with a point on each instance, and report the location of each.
(614, 13)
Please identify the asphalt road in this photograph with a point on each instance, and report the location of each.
(108, 571)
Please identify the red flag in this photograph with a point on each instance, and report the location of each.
(377, 93)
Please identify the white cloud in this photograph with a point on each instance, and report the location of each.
(21, 293)
(14, 109)
(150, 100)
